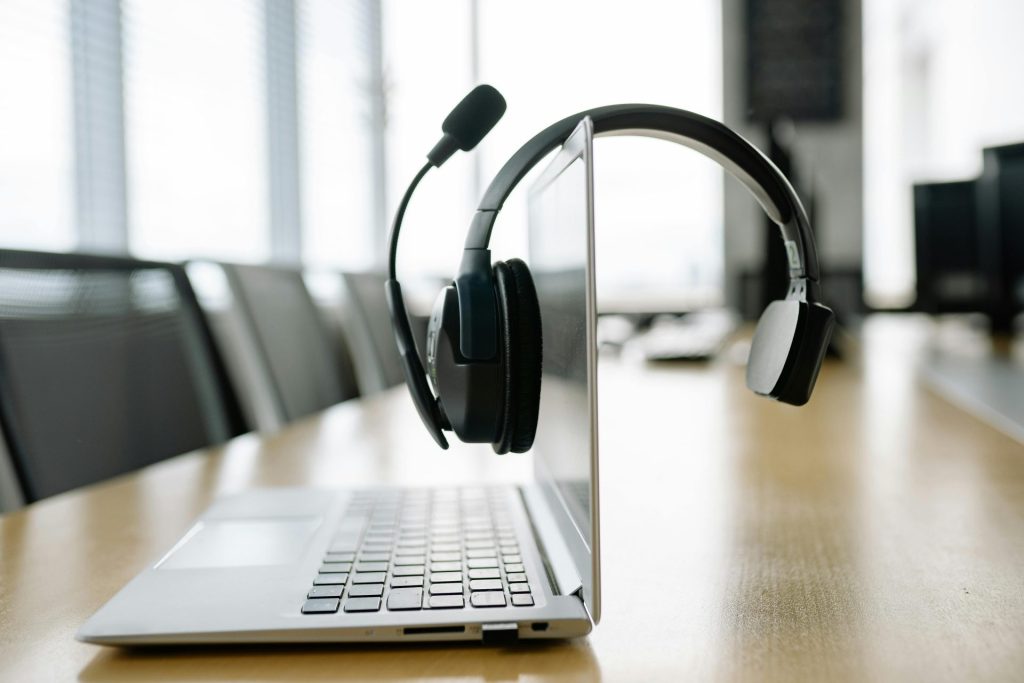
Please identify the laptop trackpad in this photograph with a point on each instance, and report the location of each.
(242, 543)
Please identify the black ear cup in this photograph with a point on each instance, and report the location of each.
(522, 345)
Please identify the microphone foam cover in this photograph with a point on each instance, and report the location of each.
(474, 116)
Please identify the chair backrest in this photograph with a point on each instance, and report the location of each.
(106, 365)
(372, 334)
(306, 370)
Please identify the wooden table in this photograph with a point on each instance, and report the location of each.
(877, 533)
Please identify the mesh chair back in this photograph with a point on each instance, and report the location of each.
(370, 313)
(106, 365)
(307, 372)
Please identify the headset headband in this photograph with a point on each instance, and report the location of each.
(786, 352)
(704, 135)
(712, 139)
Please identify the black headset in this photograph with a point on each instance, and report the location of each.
(484, 346)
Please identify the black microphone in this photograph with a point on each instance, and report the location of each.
(464, 128)
(468, 123)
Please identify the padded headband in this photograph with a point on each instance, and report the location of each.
(709, 137)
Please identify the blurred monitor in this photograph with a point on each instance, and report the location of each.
(1001, 222)
(947, 243)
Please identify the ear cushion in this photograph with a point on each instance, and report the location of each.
(522, 345)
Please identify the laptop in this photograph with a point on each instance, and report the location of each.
(497, 564)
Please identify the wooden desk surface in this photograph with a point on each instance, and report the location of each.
(877, 533)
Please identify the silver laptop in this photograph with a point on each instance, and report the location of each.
(492, 564)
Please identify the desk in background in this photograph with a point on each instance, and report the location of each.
(876, 533)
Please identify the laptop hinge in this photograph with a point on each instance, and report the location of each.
(558, 562)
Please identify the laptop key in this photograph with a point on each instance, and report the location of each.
(512, 559)
(479, 545)
(330, 579)
(482, 563)
(320, 606)
(514, 568)
(343, 547)
(446, 567)
(487, 599)
(522, 600)
(445, 588)
(405, 598)
(446, 547)
(406, 581)
(516, 578)
(366, 590)
(368, 577)
(446, 601)
(335, 567)
(484, 574)
(362, 604)
(519, 587)
(446, 577)
(375, 557)
(445, 539)
(445, 557)
(339, 557)
(480, 552)
(485, 585)
(371, 566)
(408, 571)
(325, 592)
(411, 545)
(409, 560)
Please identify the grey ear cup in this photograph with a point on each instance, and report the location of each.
(522, 345)
(788, 347)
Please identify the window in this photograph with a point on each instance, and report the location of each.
(581, 55)
(939, 85)
(655, 201)
(427, 69)
(36, 118)
(335, 142)
(196, 129)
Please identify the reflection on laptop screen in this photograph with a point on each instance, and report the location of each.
(561, 248)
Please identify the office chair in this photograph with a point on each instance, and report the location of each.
(307, 371)
(373, 340)
(106, 366)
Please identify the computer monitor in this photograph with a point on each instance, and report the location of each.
(950, 278)
(1001, 221)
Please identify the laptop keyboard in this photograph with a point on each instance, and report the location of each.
(401, 550)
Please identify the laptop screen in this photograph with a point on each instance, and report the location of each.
(561, 230)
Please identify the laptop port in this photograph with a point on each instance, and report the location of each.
(539, 626)
(421, 630)
(504, 633)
